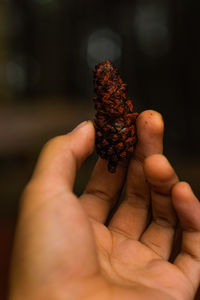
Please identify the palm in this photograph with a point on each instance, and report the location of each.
(128, 263)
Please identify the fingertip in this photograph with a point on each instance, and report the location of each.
(186, 205)
(150, 128)
(159, 174)
(79, 140)
(181, 189)
(149, 113)
(182, 194)
(86, 128)
(151, 121)
(158, 169)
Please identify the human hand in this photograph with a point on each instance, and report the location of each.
(62, 248)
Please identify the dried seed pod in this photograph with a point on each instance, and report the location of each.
(115, 120)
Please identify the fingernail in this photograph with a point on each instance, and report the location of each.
(80, 125)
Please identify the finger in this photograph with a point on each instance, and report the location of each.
(103, 190)
(62, 156)
(187, 207)
(161, 177)
(131, 216)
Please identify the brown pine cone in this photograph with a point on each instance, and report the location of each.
(115, 120)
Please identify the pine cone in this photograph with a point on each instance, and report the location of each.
(115, 120)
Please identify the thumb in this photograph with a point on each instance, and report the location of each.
(63, 155)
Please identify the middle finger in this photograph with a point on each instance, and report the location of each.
(132, 215)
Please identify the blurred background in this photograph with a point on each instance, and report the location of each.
(48, 49)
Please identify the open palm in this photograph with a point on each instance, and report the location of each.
(63, 248)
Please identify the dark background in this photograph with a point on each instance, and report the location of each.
(48, 49)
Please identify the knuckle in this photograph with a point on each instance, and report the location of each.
(166, 222)
(100, 194)
(29, 189)
(26, 192)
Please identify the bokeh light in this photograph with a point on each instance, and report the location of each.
(21, 73)
(16, 75)
(102, 45)
(151, 27)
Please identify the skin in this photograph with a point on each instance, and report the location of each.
(62, 248)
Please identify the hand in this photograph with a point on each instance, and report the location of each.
(62, 248)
